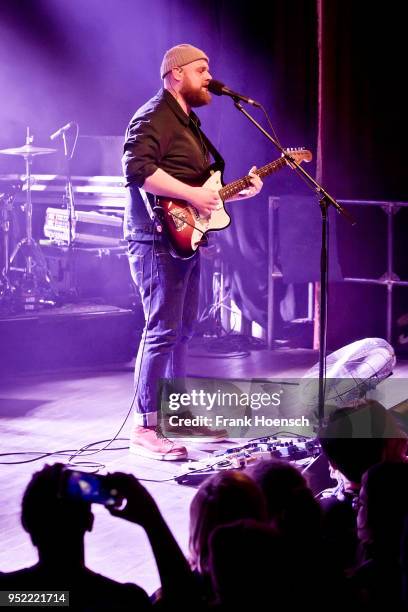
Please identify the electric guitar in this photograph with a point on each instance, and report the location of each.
(187, 229)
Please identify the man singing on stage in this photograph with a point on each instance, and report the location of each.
(166, 152)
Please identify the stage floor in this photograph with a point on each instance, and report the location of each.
(54, 411)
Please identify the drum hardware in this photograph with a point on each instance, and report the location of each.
(8, 193)
(69, 213)
(87, 228)
(35, 286)
(69, 201)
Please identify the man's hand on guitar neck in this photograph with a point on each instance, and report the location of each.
(253, 190)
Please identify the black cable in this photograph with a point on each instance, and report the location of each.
(42, 454)
(85, 448)
(183, 220)
(300, 175)
(177, 477)
(271, 126)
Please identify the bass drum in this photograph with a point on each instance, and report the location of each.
(351, 372)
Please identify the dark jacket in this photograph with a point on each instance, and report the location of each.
(160, 135)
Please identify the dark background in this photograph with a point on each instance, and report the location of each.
(95, 62)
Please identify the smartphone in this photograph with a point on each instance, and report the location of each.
(92, 488)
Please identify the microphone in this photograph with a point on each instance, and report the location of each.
(219, 89)
(64, 128)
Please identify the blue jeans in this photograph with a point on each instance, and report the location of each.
(169, 289)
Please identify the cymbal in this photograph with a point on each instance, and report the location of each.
(27, 151)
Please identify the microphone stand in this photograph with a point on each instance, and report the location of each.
(325, 200)
(70, 204)
(69, 193)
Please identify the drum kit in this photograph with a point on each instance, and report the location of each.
(34, 288)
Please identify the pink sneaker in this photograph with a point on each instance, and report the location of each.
(150, 442)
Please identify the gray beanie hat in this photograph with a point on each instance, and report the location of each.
(180, 55)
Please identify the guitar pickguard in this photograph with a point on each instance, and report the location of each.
(178, 217)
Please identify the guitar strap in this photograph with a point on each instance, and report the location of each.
(149, 205)
(149, 199)
(219, 160)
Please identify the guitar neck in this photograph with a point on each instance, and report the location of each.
(235, 187)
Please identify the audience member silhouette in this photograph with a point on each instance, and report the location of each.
(381, 520)
(358, 437)
(353, 440)
(57, 523)
(404, 563)
(250, 566)
(223, 498)
(251, 533)
(292, 508)
(296, 515)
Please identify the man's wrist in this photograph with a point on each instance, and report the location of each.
(189, 193)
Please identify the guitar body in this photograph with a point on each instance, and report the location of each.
(185, 228)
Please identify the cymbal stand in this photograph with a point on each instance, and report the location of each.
(35, 262)
(69, 192)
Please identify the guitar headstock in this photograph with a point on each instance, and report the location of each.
(299, 155)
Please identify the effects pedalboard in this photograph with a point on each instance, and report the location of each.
(300, 451)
